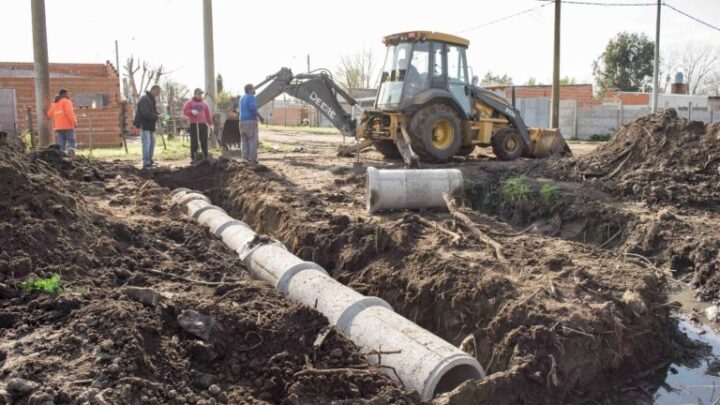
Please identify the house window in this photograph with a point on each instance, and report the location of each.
(87, 99)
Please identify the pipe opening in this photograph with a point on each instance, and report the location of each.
(456, 376)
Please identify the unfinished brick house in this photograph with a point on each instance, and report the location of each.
(94, 89)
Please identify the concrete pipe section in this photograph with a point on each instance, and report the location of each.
(423, 361)
(410, 189)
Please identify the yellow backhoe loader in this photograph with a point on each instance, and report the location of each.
(426, 109)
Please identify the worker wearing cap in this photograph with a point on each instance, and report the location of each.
(249, 117)
(197, 112)
(63, 116)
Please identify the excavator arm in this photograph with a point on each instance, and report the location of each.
(316, 88)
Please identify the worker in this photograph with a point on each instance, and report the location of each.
(63, 115)
(146, 116)
(197, 112)
(249, 117)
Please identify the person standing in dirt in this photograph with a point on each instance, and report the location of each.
(249, 117)
(63, 115)
(197, 112)
(146, 116)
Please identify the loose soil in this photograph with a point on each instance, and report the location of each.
(102, 228)
(579, 305)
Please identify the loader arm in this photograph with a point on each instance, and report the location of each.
(316, 88)
(505, 109)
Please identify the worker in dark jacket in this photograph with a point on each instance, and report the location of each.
(146, 116)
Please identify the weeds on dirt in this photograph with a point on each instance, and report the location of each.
(49, 285)
(515, 189)
(549, 194)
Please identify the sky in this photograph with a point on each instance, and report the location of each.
(253, 39)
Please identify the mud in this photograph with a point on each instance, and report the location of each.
(103, 228)
(535, 317)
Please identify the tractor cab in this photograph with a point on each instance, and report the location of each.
(419, 62)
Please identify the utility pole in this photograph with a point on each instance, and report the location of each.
(308, 63)
(210, 80)
(117, 66)
(656, 72)
(555, 108)
(42, 71)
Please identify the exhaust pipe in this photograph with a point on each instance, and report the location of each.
(421, 360)
(410, 189)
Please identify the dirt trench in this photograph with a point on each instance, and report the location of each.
(558, 321)
(113, 333)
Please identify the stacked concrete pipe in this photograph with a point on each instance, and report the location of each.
(425, 362)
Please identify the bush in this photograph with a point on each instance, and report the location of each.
(549, 194)
(599, 138)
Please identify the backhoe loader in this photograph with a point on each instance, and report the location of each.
(425, 109)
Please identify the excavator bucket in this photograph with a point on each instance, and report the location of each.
(548, 142)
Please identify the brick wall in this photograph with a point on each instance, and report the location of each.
(582, 93)
(87, 78)
(627, 97)
(278, 114)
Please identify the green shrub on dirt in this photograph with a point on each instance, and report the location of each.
(515, 189)
(599, 138)
(549, 194)
(49, 285)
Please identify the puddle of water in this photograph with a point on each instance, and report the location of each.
(695, 386)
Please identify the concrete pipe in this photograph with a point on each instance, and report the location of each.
(410, 189)
(424, 362)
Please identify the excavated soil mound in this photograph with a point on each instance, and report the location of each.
(138, 278)
(658, 158)
(555, 322)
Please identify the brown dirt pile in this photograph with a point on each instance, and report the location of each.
(114, 335)
(558, 321)
(658, 158)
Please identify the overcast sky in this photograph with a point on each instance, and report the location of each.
(255, 38)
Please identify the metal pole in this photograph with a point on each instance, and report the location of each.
(210, 83)
(42, 71)
(308, 63)
(555, 114)
(656, 72)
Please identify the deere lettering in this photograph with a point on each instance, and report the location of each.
(322, 105)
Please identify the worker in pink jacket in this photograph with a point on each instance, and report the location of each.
(198, 115)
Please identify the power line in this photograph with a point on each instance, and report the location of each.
(615, 4)
(502, 19)
(691, 17)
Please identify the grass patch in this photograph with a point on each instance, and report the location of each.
(515, 189)
(599, 138)
(549, 194)
(50, 285)
(177, 148)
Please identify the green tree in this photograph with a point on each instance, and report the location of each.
(491, 79)
(531, 82)
(567, 80)
(626, 64)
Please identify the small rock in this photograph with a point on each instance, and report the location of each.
(202, 352)
(123, 274)
(634, 301)
(145, 296)
(712, 313)
(214, 389)
(41, 398)
(7, 292)
(196, 323)
(336, 353)
(19, 387)
(222, 398)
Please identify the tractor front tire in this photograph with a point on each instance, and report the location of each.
(507, 144)
(387, 148)
(435, 133)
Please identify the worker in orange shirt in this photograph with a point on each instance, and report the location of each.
(63, 114)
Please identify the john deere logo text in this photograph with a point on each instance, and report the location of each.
(322, 105)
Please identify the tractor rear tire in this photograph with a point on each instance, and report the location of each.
(435, 133)
(507, 144)
(387, 148)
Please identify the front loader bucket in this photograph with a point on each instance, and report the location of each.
(547, 143)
